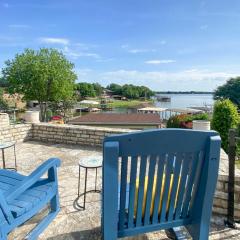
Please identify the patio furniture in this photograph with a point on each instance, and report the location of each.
(166, 178)
(4, 146)
(22, 197)
(88, 163)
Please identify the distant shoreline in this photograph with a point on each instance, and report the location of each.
(184, 92)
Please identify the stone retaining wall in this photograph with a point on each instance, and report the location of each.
(4, 120)
(221, 194)
(16, 133)
(72, 134)
(93, 136)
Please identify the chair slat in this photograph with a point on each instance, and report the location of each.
(5, 186)
(169, 168)
(132, 190)
(11, 174)
(34, 193)
(141, 187)
(11, 181)
(151, 173)
(196, 181)
(182, 186)
(192, 175)
(176, 179)
(123, 192)
(160, 170)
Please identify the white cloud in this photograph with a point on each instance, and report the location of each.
(76, 54)
(124, 46)
(5, 5)
(192, 79)
(63, 41)
(157, 61)
(185, 80)
(141, 50)
(204, 27)
(163, 42)
(18, 26)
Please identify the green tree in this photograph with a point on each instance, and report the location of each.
(44, 75)
(116, 88)
(3, 83)
(98, 89)
(3, 104)
(230, 90)
(225, 116)
(85, 89)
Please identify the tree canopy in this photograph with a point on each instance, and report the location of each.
(131, 91)
(230, 90)
(44, 75)
(3, 103)
(85, 89)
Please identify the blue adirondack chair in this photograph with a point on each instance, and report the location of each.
(159, 180)
(22, 197)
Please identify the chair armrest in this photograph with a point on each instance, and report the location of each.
(33, 177)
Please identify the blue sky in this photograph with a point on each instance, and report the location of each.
(164, 44)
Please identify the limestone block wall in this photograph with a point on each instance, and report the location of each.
(4, 120)
(16, 133)
(72, 134)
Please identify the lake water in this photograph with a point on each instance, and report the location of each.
(186, 100)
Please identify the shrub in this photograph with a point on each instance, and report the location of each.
(182, 120)
(225, 116)
(200, 116)
(174, 122)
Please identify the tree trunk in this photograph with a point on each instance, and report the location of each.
(42, 111)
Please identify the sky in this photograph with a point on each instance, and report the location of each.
(163, 44)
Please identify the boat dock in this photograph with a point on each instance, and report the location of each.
(166, 113)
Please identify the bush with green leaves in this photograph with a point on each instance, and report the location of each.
(177, 120)
(225, 117)
(173, 122)
(3, 104)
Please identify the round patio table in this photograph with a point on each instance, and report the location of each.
(88, 164)
(4, 146)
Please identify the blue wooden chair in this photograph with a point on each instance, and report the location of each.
(22, 197)
(159, 180)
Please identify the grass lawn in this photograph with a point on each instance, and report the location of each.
(121, 103)
(128, 104)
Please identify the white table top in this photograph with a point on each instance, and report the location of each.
(93, 162)
(6, 145)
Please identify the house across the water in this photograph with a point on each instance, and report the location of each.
(119, 120)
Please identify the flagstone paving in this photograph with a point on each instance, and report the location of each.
(72, 223)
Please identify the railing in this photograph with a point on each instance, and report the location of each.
(234, 138)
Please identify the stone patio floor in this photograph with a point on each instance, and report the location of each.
(73, 223)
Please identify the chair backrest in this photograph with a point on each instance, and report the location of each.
(163, 176)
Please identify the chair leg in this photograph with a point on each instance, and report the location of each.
(54, 203)
(177, 233)
(199, 231)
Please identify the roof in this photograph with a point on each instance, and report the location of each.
(89, 102)
(155, 109)
(117, 118)
(186, 110)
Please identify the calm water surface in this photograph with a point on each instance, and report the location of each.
(186, 100)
